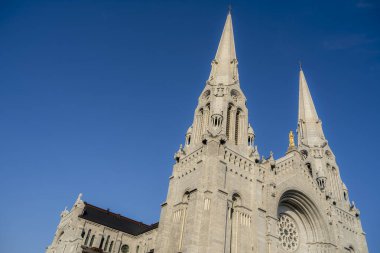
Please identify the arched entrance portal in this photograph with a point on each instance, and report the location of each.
(301, 227)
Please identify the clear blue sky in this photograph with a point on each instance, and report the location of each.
(96, 96)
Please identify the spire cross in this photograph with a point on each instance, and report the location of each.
(230, 8)
(300, 64)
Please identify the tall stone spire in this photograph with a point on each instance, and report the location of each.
(310, 131)
(221, 113)
(224, 66)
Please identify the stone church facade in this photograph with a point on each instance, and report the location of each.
(223, 197)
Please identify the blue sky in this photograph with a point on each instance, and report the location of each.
(96, 96)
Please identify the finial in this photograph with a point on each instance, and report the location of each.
(229, 8)
(300, 64)
(79, 199)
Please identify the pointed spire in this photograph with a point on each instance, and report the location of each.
(307, 110)
(310, 127)
(224, 66)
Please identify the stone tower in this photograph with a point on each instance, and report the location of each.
(224, 198)
(204, 191)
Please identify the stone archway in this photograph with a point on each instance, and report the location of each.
(300, 227)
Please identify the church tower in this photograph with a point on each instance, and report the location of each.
(322, 167)
(315, 150)
(210, 204)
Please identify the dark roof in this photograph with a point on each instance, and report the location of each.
(115, 221)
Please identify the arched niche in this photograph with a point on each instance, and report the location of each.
(235, 95)
(236, 200)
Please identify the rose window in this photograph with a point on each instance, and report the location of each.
(288, 233)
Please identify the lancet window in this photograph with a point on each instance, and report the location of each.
(87, 237)
(92, 240)
(334, 181)
(228, 123)
(106, 245)
(237, 126)
(110, 248)
(101, 242)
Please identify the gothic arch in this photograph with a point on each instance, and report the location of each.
(238, 124)
(228, 123)
(301, 226)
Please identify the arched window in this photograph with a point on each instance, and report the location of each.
(111, 245)
(228, 123)
(216, 120)
(92, 240)
(101, 242)
(125, 248)
(87, 237)
(137, 249)
(300, 222)
(237, 125)
(106, 245)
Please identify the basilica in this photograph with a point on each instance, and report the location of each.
(223, 197)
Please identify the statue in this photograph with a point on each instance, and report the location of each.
(291, 140)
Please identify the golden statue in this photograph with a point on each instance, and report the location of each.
(291, 140)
